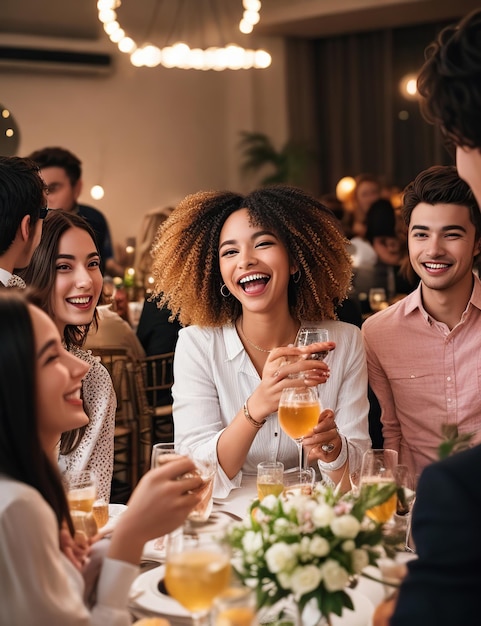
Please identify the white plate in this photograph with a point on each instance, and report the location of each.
(115, 511)
(373, 590)
(145, 595)
(215, 525)
(361, 616)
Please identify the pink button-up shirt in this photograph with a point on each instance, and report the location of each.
(424, 375)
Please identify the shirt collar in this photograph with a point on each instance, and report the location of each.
(5, 276)
(415, 300)
(232, 341)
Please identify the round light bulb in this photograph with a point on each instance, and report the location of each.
(97, 192)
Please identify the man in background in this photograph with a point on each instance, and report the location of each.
(62, 173)
(22, 210)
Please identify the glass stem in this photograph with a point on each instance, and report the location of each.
(299, 446)
(201, 619)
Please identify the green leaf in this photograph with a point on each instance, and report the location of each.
(453, 442)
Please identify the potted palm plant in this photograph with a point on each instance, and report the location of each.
(287, 165)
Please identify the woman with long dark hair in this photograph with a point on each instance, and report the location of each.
(40, 397)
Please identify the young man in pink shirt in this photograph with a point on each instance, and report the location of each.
(423, 362)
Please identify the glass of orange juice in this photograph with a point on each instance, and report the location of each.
(270, 476)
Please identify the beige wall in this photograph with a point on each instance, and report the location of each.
(149, 136)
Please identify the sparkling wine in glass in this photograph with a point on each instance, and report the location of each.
(377, 469)
(197, 570)
(270, 478)
(311, 334)
(298, 413)
(81, 494)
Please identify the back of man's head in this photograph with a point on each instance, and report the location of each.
(58, 157)
(450, 81)
(22, 192)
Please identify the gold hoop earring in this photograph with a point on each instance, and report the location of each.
(223, 293)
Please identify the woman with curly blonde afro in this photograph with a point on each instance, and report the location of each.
(242, 273)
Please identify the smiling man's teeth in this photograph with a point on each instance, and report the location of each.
(436, 266)
(84, 300)
(247, 279)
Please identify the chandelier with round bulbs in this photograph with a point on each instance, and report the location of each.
(180, 55)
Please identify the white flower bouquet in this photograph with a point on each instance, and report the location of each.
(307, 546)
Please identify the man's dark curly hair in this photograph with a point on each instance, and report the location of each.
(450, 81)
(186, 254)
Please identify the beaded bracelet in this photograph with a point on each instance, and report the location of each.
(250, 419)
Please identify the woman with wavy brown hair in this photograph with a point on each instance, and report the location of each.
(65, 273)
(242, 273)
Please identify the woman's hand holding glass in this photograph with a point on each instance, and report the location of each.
(161, 501)
(323, 443)
(204, 467)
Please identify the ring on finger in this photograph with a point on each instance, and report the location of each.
(328, 447)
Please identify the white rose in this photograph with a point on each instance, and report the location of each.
(251, 542)
(360, 560)
(348, 545)
(319, 546)
(281, 557)
(345, 526)
(304, 547)
(322, 515)
(284, 580)
(281, 526)
(335, 577)
(305, 579)
(270, 502)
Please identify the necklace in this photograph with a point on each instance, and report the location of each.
(251, 343)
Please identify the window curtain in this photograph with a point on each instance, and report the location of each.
(345, 104)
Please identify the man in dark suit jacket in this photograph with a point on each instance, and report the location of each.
(443, 585)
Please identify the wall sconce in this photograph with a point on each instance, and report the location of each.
(344, 188)
(408, 87)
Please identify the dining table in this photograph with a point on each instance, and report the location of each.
(148, 596)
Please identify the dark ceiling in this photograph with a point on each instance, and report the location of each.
(298, 18)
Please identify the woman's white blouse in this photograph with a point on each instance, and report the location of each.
(39, 584)
(96, 449)
(213, 377)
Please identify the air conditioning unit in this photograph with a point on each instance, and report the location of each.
(59, 61)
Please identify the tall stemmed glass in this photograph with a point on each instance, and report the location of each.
(298, 413)
(197, 570)
(312, 334)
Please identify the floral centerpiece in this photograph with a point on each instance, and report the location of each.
(308, 546)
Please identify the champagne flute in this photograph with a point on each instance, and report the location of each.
(311, 334)
(197, 570)
(299, 410)
(377, 469)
